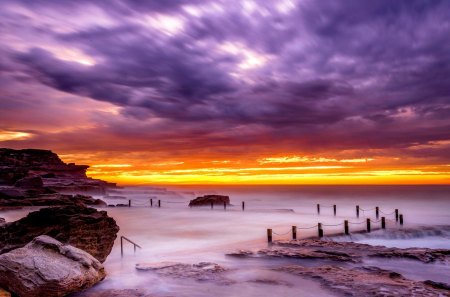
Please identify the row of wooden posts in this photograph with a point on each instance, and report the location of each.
(212, 204)
(377, 211)
(225, 205)
(346, 228)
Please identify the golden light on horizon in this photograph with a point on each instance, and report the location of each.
(14, 135)
(355, 172)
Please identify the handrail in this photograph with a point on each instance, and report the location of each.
(130, 241)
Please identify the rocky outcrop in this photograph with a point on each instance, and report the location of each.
(85, 228)
(50, 200)
(46, 267)
(30, 182)
(34, 169)
(365, 281)
(208, 199)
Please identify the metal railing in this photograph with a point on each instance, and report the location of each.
(130, 241)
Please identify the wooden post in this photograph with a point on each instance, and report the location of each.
(401, 219)
(383, 223)
(159, 203)
(320, 230)
(346, 227)
(269, 235)
(294, 232)
(368, 225)
(357, 211)
(396, 215)
(212, 204)
(151, 202)
(225, 206)
(318, 208)
(121, 246)
(129, 203)
(334, 209)
(377, 212)
(243, 205)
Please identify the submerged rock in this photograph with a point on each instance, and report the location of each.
(365, 281)
(343, 251)
(54, 199)
(208, 199)
(203, 271)
(85, 228)
(46, 267)
(113, 293)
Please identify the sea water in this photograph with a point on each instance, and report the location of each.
(174, 232)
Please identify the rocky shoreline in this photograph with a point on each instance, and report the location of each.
(350, 276)
(33, 177)
(55, 251)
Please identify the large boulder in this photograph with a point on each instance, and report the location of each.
(47, 267)
(208, 199)
(30, 182)
(85, 228)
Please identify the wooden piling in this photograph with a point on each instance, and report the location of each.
(294, 232)
(383, 223)
(159, 203)
(320, 230)
(121, 246)
(377, 212)
(368, 225)
(396, 215)
(269, 235)
(243, 205)
(318, 208)
(346, 227)
(334, 209)
(401, 219)
(151, 202)
(129, 203)
(357, 211)
(212, 205)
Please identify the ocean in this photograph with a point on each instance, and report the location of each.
(176, 233)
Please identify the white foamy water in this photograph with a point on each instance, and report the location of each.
(175, 232)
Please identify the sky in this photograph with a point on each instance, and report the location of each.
(236, 92)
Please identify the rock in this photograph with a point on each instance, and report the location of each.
(208, 199)
(4, 293)
(24, 168)
(343, 251)
(85, 228)
(30, 182)
(50, 200)
(2, 221)
(365, 281)
(203, 271)
(8, 192)
(46, 267)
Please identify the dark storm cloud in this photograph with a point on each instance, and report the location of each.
(339, 74)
